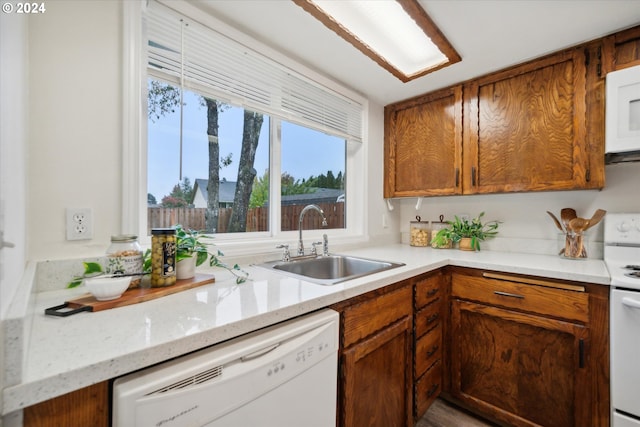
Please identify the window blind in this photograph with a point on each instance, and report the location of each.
(204, 60)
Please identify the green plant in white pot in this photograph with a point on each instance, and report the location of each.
(192, 251)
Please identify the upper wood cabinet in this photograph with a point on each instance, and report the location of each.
(526, 128)
(621, 50)
(423, 145)
(538, 126)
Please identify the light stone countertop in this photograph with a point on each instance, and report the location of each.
(66, 354)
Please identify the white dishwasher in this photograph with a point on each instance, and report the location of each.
(284, 375)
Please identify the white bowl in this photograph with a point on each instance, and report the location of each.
(107, 288)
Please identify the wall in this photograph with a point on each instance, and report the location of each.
(524, 216)
(13, 138)
(74, 107)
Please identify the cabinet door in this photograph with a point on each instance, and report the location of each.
(377, 384)
(521, 369)
(423, 145)
(526, 128)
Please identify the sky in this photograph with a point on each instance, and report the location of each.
(305, 152)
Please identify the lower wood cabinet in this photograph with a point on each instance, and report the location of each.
(529, 352)
(429, 292)
(376, 381)
(81, 408)
(518, 350)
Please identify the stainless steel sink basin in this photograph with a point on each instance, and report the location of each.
(330, 269)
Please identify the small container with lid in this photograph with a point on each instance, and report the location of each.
(163, 257)
(124, 256)
(419, 232)
(435, 227)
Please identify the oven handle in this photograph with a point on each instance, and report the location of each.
(630, 302)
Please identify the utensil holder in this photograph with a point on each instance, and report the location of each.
(573, 245)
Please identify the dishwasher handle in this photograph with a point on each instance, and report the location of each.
(630, 302)
(259, 353)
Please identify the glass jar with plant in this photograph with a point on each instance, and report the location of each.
(466, 233)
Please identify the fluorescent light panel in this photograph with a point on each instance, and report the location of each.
(393, 33)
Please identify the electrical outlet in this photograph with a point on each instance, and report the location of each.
(79, 224)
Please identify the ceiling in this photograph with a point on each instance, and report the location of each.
(488, 34)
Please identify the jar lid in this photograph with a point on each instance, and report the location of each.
(124, 238)
(157, 231)
(418, 220)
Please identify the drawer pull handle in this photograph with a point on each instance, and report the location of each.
(432, 292)
(432, 351)
(507, 294)
(433, 318)
(432, 390)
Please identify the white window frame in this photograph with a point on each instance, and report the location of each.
(134, 151)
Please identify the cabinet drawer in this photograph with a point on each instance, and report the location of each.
(545, 300)
(362, 320)
(428, 290)
(428, 318)
(428, 350)
(428, 388)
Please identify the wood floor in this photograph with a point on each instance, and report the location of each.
(443, 414)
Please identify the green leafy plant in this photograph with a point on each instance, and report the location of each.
(442, 239)
(474, 229)
(91, 269)
(191, 243)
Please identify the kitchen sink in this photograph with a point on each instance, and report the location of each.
(330, 269)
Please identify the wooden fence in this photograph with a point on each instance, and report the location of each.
(257, 218)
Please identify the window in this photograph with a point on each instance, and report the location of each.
(302, 137)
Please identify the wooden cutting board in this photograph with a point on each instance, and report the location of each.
(131, 296)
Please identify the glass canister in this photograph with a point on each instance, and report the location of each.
(419, 232)
(124, 256)
(163, 257)
(437, 226)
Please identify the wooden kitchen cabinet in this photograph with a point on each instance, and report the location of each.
(526, 128)
(423, 145)
(428, 330)
(376, 383)
(537, 126)
(621, 50)
(81, 408)
(529, 352)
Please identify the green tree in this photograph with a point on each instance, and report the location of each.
(260, 192)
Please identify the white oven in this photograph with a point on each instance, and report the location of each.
(623, 115)
(622, 257)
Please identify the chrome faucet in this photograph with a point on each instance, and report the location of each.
(304, 210)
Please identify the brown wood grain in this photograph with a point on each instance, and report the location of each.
(377, 382)
(558, 303)
(428, 349)
(423, 144)
(138, 295)
(363, 319)
(521, 369)
(428, 388)
(428, 289)
(88, 406)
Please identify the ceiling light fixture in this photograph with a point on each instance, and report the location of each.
(397, 34)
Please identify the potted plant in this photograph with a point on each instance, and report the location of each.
(192, 251)
(467, 234)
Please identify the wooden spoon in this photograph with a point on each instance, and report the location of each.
(567, 214)
(557, 221)
(596, 218)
